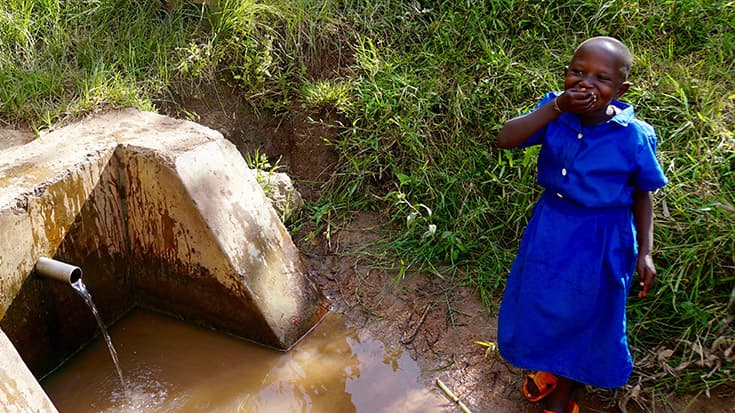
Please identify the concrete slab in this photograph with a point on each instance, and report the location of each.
(19, 390)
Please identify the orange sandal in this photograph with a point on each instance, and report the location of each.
(545, 384)
(573, 408)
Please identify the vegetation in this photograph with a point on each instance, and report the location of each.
(420, 92)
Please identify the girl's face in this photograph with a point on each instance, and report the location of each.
(595, 69)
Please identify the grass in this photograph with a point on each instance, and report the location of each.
(421, 89)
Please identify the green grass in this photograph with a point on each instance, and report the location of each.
(59, 59)
(421, 89)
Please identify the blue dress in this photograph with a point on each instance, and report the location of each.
(563, 309)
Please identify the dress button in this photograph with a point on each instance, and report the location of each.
(579, 135)
(563, 171)
(559, 195)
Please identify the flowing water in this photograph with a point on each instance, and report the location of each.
(172, 366)
(81, 289)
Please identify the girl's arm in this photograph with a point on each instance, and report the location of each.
(643, 217)
(517, 130)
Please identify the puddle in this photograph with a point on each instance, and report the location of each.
(171, 366)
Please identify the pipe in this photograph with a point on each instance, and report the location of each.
(58, 270)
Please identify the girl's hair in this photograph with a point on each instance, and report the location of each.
(625, 58)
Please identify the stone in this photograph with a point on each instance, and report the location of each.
(283, 196)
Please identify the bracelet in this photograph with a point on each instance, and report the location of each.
(556, 105)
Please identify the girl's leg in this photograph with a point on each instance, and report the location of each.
(558, 401)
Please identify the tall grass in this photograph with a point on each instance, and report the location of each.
(422, 88)
(60, 59)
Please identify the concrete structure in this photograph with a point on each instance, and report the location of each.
(159, 213)
(19, 390)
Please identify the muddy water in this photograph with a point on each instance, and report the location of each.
(171, 366)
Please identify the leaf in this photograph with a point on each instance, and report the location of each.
(410, 219)
(403, 179)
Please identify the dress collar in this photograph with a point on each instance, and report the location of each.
(626, 114)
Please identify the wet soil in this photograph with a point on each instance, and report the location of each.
(438, 321)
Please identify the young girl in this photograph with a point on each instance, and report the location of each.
(563, 310)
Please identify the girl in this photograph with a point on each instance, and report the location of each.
(563, 310)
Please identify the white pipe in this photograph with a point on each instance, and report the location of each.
(58, 270)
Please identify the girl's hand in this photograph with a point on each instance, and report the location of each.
(647, 273)
(576, 100)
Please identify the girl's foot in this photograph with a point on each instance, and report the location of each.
(538, 386)
(573, 407)
(560, 400)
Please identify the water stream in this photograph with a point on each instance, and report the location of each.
(81, 289)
